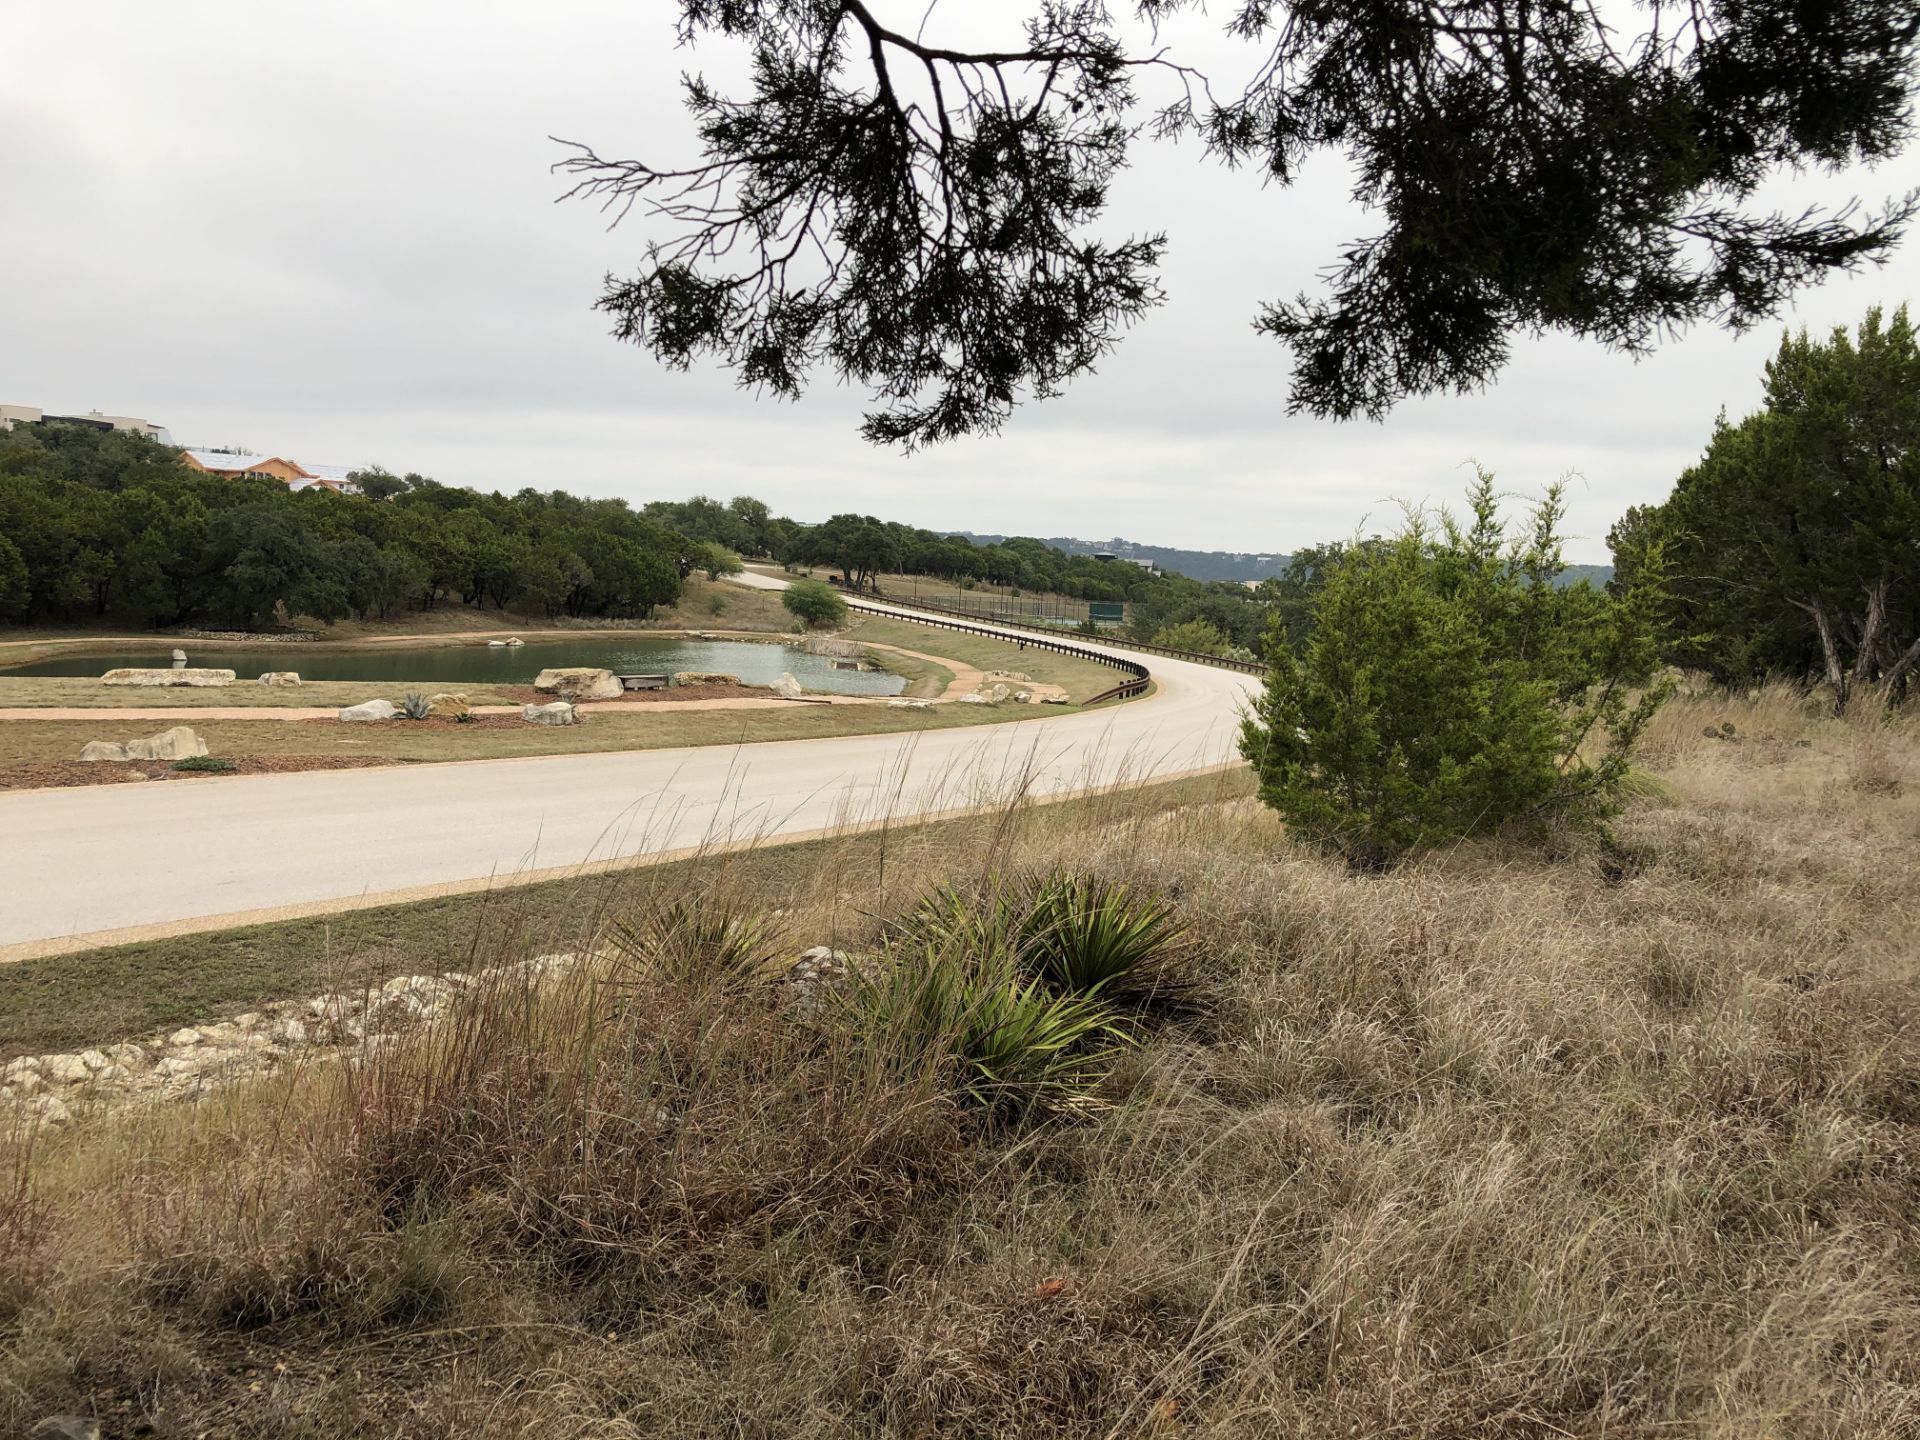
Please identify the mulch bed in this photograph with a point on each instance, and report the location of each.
(47, 774)
(437, 722)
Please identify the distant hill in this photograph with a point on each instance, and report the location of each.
(1195, 564)
(1230, 565)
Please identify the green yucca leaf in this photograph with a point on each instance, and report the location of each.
(697, 940)
(1094, 937)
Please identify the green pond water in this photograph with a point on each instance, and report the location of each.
(470, 664)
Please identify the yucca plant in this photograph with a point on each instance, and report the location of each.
(695, 940)
(1095, 937)
(416, 706)
(1012, 1043)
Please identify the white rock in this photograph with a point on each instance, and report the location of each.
(44, 1110)
(368, 710)
(94, 1060)
(127, 1054)
(22, 1065)
(496, 644)
(515, 640)
(248, 1020)
(111, 1074)
(63, 1069)
(184, 1037)
(197, 678)
(103, 750)
(289, 1032)
(180, 655)
(909, 704)
(27, 1082)
(998, 693)
(975, 700)
(280, 677)
(179, 743)
(560, 712)
(580, 682)
(787, 688)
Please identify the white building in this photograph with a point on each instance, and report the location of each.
(11, 415)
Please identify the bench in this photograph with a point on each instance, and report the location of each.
(642, 682)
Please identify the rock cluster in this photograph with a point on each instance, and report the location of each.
(179, 743)
(183, 1064)
(191, 1061)
(816, 977)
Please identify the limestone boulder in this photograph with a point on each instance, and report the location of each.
(703, 677)
(179, 743)
(787, 688)
(103, 750)
(904, 704)
(975, 700)
(197, 678)
(369, 710)
(280, 677)
(448, 706)
(579, 683)
(560, 712)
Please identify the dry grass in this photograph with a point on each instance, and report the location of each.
(640, 727)
(1498, 1144)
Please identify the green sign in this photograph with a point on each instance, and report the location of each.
(1112, 611)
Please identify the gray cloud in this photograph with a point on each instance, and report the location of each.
(328, 230)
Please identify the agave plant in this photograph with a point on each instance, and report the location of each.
(1095, 937)
(416, 706)
(696, 940)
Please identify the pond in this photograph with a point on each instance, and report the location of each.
(469, 664)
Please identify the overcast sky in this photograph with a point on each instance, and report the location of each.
(327, 230)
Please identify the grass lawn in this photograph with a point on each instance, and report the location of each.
(84, 692)
(91, 997)
(653, 727)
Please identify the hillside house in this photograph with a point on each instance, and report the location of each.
(290, 473)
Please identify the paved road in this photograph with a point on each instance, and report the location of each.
(97, 864)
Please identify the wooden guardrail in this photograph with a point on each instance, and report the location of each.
(1137, 674)
(1245, 667)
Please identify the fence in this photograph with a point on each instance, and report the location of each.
(1137, 674)
(1245, 667)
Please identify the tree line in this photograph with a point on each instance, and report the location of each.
(97, 526)
(1793, 547)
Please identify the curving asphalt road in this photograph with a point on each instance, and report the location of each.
(103, 864)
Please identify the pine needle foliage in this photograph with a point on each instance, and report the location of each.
(1453, 688)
